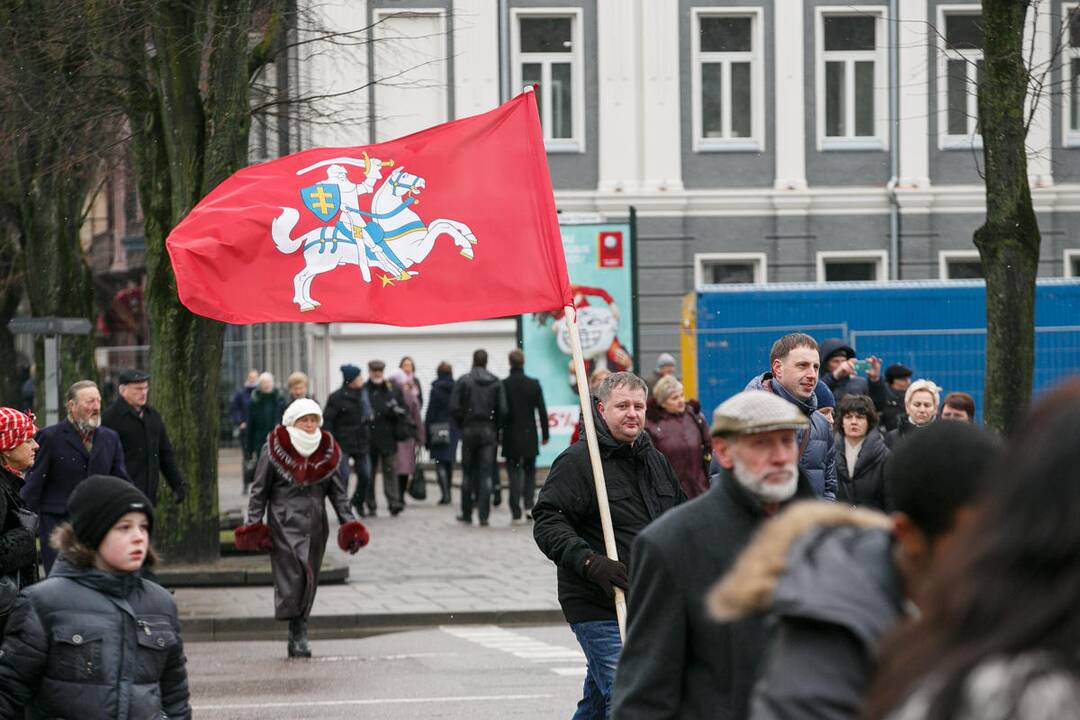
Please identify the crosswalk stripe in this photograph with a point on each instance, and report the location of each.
(522, 646)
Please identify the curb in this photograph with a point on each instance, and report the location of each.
(330, 574)
(355, 626)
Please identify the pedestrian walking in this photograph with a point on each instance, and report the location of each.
(348, 417)
(921, 404)
(641, 487)
(297, 473)
(478, 405)
(793, 376)
(148, 454)
(834, 580)
(861, 454)
(238, 410)
(958, 406)
(407, 366)
(96, 639)
(264, 414)
(414, 437)
(677, 662)
(526, 412)
(677, 430)
(440, 430)
(18, 525)
(998, 632)
(70, 451)
(297, 386)
(386, 428)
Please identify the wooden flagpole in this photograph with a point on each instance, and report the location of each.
(594, 456)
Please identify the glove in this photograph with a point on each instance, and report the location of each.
(253, 538)
(352, 536)
(606, 573)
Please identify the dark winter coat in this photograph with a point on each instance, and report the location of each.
(826, 575)
(684, 440)
(818, 460)
(903, 431)
(641, 487)
(18, 545)
(438, 411)
(387, 412)
(526, 410)
(93, 644)
(238, 406)
(292, 491)
(264, 414)
(850, 385)
(867, 487)
(889, 404)
(478, 403)
(62, 462)
(677, 662)
(147, 450)
(347, 417)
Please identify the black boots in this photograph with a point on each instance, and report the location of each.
(298, 642)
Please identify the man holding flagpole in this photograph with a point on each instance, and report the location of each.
(640, 487)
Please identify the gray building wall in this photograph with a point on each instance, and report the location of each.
(954, 166)
(1065, 161)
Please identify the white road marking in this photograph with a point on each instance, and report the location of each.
(373, 701)
(378, 658)
(527, 648)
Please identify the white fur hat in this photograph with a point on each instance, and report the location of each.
(300, 408)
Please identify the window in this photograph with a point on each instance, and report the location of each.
(959, 68)
(960, 265)
(1072, 263)
(853, 266)
(728, 81)
(1070, 68)
(727, 268)
(547, 50)
(852, 102)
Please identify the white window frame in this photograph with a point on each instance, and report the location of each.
(756, 141)
(945, 140)
(880, 257)
(944, 256)
(1070, 255)
(879, 56)
(575, 144)
(759, 260)
(1070, 137)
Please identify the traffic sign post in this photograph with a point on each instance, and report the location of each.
(52, 328)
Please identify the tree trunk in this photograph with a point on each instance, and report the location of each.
(11, 292)
(1008, 241)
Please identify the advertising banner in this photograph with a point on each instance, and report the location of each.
(599, 260)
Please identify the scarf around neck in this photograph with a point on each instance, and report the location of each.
(301, 469)
(304, 443)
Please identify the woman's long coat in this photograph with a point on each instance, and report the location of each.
(293, 491)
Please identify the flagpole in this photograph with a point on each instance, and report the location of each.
(594, 456)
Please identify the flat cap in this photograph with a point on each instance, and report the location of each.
(133, 376)
(376, 365)
(665, 360)
(756, 411)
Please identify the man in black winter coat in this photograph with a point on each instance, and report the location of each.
(148, 454)
(346, 417)
(478, 406)
(677, 663)
(387, 418)
(525, 399)
(641, 486)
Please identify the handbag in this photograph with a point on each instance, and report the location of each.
(440, 434)
(418, 484)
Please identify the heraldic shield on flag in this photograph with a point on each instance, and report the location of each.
(452, 223)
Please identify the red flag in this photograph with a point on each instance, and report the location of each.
(456, 222)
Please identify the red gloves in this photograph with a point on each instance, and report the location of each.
(352, 536)
(253, 538)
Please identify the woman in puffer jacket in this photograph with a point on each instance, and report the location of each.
(95, 638)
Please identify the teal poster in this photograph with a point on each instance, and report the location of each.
(598, 258)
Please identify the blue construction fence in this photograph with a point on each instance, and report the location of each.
(938, 329)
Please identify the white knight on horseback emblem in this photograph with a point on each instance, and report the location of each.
(390, 237)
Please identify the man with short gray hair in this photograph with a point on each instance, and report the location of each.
(641, 486)
(678, 663)
(70, 451)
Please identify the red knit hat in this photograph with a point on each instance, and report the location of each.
(15, 428)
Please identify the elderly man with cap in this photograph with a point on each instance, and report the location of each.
(665, 365)
(385, 429)
(346, 417)
(148, 453)
(677, 663)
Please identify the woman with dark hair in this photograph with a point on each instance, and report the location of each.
(409, 368)
(958, 406)
(860, 454)
(1000, 636)
(440, 430)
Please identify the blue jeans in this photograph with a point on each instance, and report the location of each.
(601, 644)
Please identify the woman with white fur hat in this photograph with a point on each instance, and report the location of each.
(296, 473)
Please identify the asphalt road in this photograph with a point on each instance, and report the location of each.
(471, 672)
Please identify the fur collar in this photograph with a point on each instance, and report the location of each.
(748, 587)
(295, 467)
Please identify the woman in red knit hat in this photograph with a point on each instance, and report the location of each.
(18, 526)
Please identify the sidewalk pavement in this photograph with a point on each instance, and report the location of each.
(421, 568)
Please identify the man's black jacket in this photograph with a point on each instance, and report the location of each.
(147, 450)
(640, 487)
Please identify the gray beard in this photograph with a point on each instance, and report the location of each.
(88, 425)
(767, 492)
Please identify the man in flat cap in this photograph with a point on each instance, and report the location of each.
(148, 453)
(676, 662)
